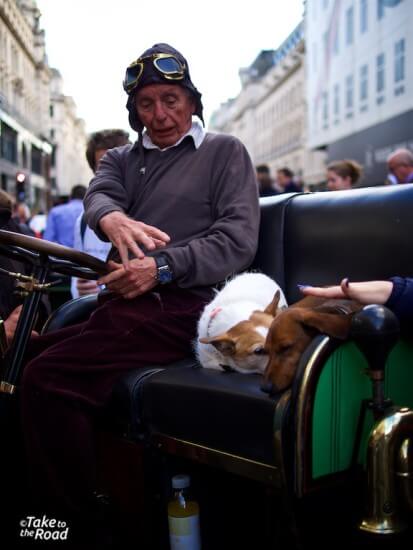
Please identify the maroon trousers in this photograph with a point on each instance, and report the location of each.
(73, 372)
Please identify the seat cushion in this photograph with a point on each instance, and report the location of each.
(220, 410)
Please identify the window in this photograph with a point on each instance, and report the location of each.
(8, 143)
(380, 73)
(325, 110)
(349, 26)
(399, 61)
(336, 45)
(363, 82)
(36, 160)
(51, 111)
(336, 102)
(349, 92)
(363, 16)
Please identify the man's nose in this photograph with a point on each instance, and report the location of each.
(159, 111)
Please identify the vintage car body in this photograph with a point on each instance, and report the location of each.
(320, 463)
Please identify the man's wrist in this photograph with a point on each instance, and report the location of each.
(164, 273)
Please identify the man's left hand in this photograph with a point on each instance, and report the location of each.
(134, 281)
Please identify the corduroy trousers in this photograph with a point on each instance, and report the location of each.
(71, 373)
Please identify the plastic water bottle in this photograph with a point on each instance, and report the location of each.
(183, 516)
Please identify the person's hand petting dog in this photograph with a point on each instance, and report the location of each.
(136, 279)
(125, 233)
(367, 292)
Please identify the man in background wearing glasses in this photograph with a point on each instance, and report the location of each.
(180, 207)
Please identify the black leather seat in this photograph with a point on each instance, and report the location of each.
(227, 411)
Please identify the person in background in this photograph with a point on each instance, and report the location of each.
(343, 174)
(38, 224)
(85, 239)
(266, 186)
(285, 181)
(400, 164)
(61, 220)
(395, 293)
(21, 215)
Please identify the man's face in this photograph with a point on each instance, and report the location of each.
(400, 170)
(166, 112)
(282, 179)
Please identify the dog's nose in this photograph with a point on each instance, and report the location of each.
(268, 387)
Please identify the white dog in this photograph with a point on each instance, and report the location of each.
(233, 326)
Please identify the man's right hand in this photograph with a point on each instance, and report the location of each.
(125, 234)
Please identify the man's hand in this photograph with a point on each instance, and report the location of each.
(84, 287)
(10, 324)
(138, 278)
(125, 233)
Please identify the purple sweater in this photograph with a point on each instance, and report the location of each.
(206, 199)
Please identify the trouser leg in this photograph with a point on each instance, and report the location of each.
(64, 388)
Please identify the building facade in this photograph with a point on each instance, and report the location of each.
(24, 99)
(360, 80)
(270, 116)
(68, 136)
(36, 148)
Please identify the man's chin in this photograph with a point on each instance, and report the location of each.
(165, 139)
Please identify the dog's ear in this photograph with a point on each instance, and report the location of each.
(272, 308)
(224, 343)
(335, 325)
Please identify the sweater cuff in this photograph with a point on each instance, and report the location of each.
(399, 285)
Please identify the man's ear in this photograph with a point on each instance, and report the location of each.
(331, 324)
(272, 308)
(223, 343)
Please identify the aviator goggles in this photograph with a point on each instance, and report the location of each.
(166, 64)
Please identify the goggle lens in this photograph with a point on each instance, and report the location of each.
(168, 65)
(132, 76)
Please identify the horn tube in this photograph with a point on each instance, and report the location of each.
(387, 449)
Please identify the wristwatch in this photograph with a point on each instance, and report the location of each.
(164, 273)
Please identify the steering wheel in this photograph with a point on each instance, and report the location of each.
(44, 257)
(52, 256)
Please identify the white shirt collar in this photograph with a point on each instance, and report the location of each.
(196, 131)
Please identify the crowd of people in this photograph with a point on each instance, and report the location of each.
(340, 175)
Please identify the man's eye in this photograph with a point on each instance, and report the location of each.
(170, 101)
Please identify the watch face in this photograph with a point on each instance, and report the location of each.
(164, 275)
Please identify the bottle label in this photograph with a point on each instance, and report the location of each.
(184, 533)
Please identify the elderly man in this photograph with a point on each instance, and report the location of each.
(181, 209)
(400, 164)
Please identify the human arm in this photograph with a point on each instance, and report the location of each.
(106, 206)
(366, 292)
(226, 243)
(395, 293)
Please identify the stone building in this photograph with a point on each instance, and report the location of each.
(270, 116)
(24, 100)
(360, 80)
(28, 132)
(68, 136)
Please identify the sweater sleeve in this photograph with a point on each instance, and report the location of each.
(401, 298)
(106, 192)
(232, 239)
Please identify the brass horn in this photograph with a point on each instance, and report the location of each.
(390, 448)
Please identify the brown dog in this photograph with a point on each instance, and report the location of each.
(294, 328)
